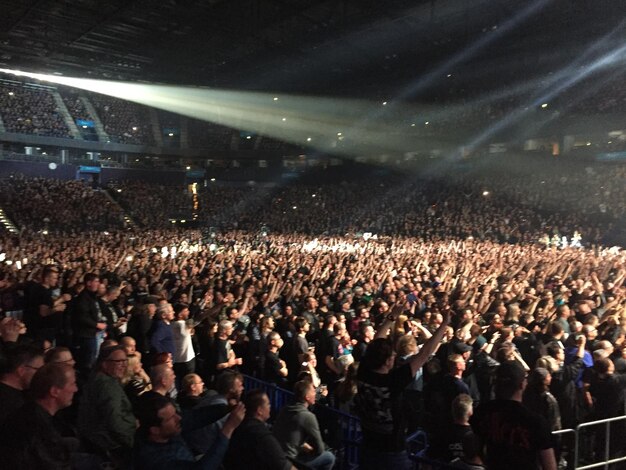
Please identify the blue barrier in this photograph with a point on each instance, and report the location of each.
(279, 397)
(341, 431)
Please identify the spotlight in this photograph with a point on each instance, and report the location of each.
(276, 98)
(308, 139)
(544, 105)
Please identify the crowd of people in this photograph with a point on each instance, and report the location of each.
(52, 204)
(541, 202)
(29, 110)
(507, 205)
(123, 121)
(461, 338)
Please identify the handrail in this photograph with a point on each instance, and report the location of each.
(607, 444)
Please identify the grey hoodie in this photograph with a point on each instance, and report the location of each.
(296, 425)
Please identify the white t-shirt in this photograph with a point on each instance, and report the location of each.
(182, 341)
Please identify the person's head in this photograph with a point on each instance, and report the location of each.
(548, 363)
(604, 367)
(510, 381)
(379, 355)
(113, 361)
(92, 282)
(134, 365)
(162, 377)
(150, 307)
(163, 358)
(274, 340)
(407, 345)
(311, 303)
(339, 329)
(158, 419)
(230, 385)
(329, 322)
(129, 344)
(556, 330)
(109, 343)
(304, 392)
(368, 332)
(19, 365)
(505, 352)
(539, 380)
(605, 347)
(257, 405)
(181, 311)
(50, 276)
(193, 385)
(590, 332)
(555, 350)
(267, 323)
(456, 364)
(54, 384)
(462, 408)
(59, 355)
(225, 328)
(112, 293)
(165, 312)
(301, 325)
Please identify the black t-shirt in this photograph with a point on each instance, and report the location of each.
(447, 444)
(450, 388)
(378, 404)
(35, 295)
(11, 399)
(512, 435)
(222, 350)
(254, 446)
(272, 369)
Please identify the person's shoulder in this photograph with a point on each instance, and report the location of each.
(254, 427)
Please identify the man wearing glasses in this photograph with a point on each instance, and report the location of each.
(18, 369)
(106, 422)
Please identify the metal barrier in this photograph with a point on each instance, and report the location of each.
(607, 444)
(279, 397)
(341, 431)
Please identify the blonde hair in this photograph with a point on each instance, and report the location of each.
(133, 361)
(406, 345)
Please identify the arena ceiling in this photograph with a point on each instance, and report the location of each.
(352, 47)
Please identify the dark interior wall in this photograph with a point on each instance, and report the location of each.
(169, 177)
(69, 172)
